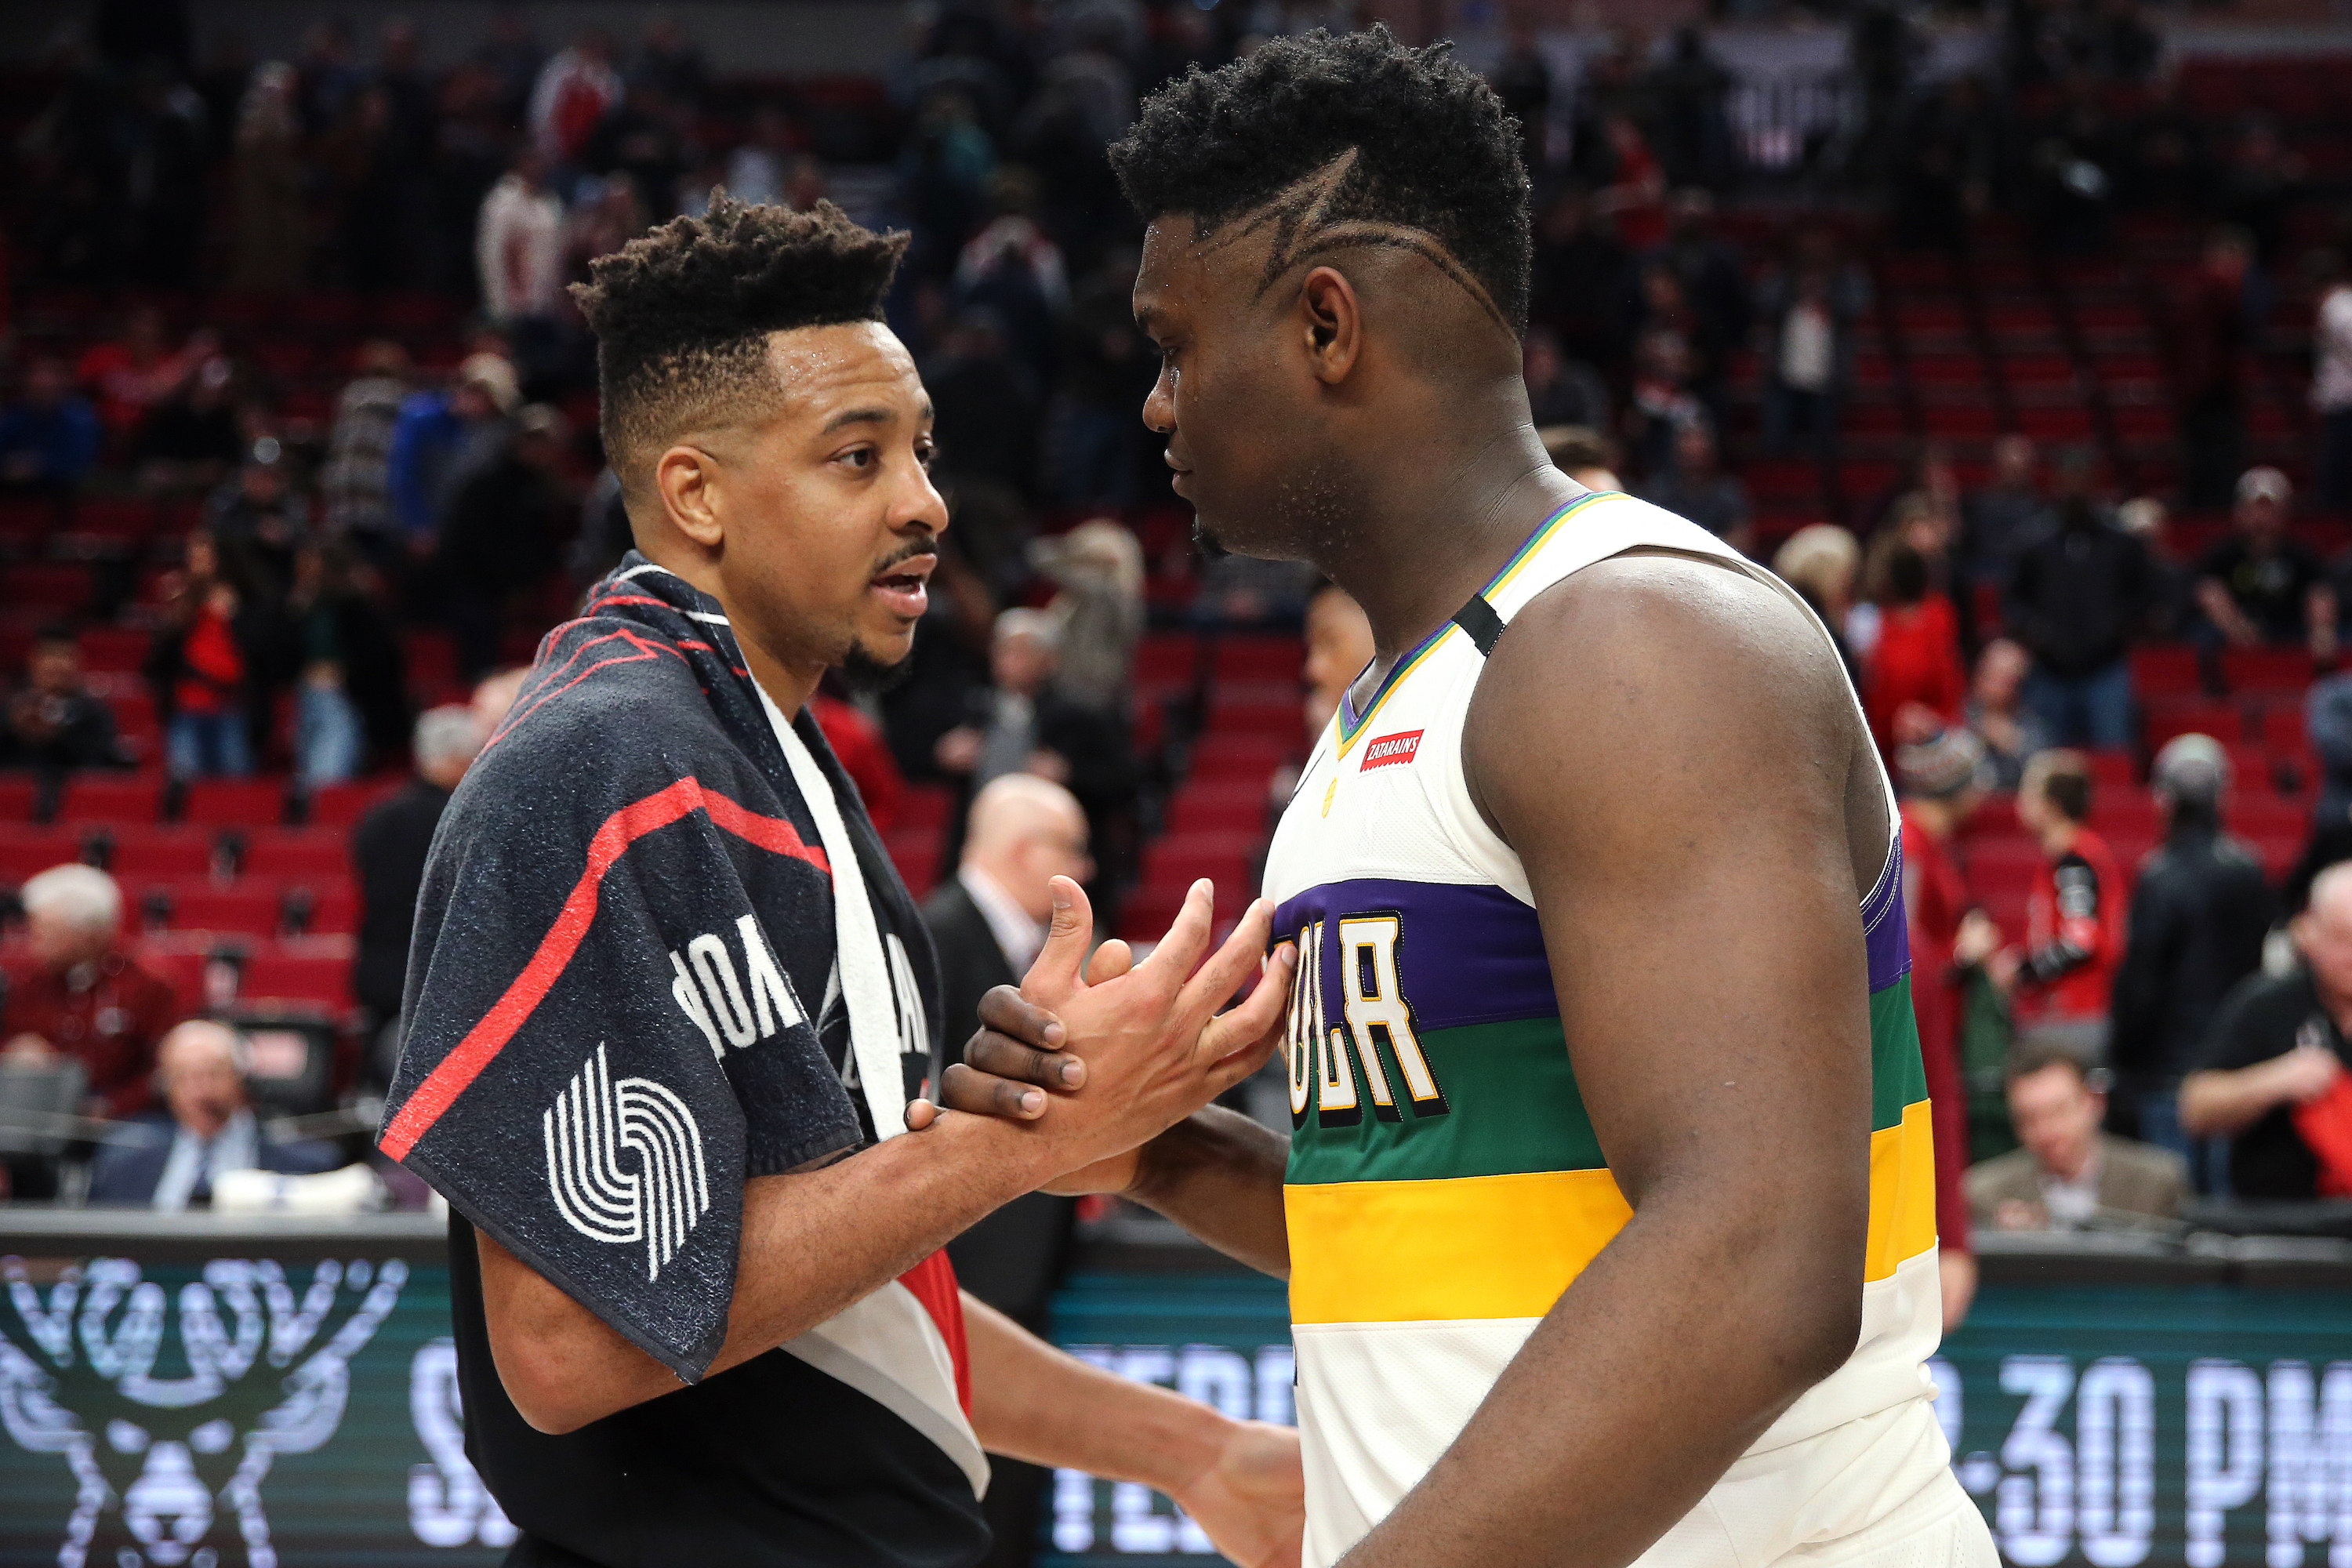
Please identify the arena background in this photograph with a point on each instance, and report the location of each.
(278, 317)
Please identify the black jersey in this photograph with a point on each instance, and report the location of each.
(624, 1000)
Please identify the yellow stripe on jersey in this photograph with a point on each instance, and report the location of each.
(1506, 1247)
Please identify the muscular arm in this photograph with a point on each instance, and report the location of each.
(1219, 1174)
(1683, 807)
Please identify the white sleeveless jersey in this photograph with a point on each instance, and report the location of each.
(1444, 1184)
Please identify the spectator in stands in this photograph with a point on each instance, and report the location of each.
(256, 518)
(442, 438)
(2064, 970)
(519, 256)
(985, 404)
(129, 374)
(344, 659)
(1338, 649)
(48, 433)
(388, 860)
(2272, 1077)
(1998, 714)
(1696, 488)
(54, 724)
(2212, 331)
(1663, 400)
(499, 535)
(78, 993)
(190, 440)
(2198, 916)
(574, 91)
(2069, 1176)
(1910, 652)
(1022, 723)
(1561, 391)
(205, 1129)
(1097, 571)
(2003, 517)
(203, 664)
(271, 238)
(2261, 584)
(355, 486)
(2078, 596)
(1940, 775)
(1809, 307)
(2327, 721)
(2331, 380)
(1820, 561)
(2149, 520)
(1583, 454)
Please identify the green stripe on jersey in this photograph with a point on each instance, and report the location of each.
(1514, 1107)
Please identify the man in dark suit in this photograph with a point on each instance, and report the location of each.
(987, 924)
(206, 1130)
(388, 851)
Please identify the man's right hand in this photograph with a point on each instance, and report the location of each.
(2303, 1074)
(1144, 1032)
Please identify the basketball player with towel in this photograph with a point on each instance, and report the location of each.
(1608, 1211)
(668, 1000)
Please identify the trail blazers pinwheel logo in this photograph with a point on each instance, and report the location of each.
(157, 1455)
(594, 1121)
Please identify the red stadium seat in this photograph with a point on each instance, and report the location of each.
(17, 794)
(235, 802)
(1233, 806)
(2278, 669)
(112, 799)
(915, 853)
(284, 972)
(49, 587)
(1268, 709)
(299, 854)
(113, 650)
(342, 804)
(1230, 757)
(2163, 668)
(147, 853)
(27, 851)
(2170, 715)
(1252, 657)
(234, 911)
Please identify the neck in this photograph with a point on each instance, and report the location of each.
(2060, 836)
(208, 1121)
(1935, 817)
(788, 684)
(1444, 519)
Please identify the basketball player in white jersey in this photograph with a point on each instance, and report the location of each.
(1607, 1212)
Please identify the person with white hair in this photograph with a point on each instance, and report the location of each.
(169, 1159)
(388, 850)
(2198, 916)
(2275, 1075)
(78, 994)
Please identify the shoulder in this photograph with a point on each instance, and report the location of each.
(2130, 1158)
(1999, 1174)
(2263, 1005)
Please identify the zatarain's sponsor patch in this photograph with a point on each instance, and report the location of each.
(1389, 750)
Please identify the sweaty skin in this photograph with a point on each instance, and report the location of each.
(1700, 815)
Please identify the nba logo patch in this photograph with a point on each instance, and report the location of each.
(1390, 751)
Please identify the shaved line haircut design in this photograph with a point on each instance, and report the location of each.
(1303, 230)
(1326, 140)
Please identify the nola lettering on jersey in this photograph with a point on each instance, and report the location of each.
(1390, 751)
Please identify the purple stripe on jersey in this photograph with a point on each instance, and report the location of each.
(1887, 927)
(1465, 954)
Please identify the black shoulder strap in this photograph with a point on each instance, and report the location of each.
(1478, 618)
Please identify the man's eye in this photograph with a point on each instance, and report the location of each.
(924, 454)
(860, 456)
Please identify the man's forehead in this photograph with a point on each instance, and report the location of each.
(819, 366)
(1181, 264)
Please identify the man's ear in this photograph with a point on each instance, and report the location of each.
(687, 481)
(1331, 321)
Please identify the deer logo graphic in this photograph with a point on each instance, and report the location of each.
(593, 1118)
(161, 1460)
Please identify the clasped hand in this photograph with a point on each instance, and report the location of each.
(1146, 1036)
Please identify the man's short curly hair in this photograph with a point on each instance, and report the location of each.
(1434, 150)
(682, 313)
